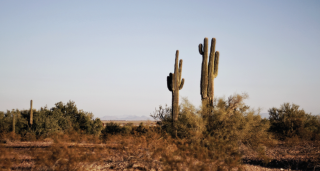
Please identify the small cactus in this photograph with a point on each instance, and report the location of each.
(13, 122)
(208, 73)
(31, 113)
(175, 84)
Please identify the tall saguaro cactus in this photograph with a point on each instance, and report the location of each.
(175, 84)
(208, 72)
(31, 113)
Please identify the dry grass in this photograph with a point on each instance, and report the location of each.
(151, 151)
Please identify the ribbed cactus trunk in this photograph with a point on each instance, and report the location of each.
(31, 114)
(208, 71)
(175, 84)
(13, 122)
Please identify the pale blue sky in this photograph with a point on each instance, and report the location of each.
(113, 57)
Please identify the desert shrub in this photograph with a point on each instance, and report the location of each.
(164, 119)
(5, 122)
(190, 124)
(60, 118)
(142, 129)
(78, 119)
(6, 119)
(215, 133)
(229, 119)
(114, 129)
(234, 121)
(111, 128)
(230, 123)
(290, 121)
(126, 129)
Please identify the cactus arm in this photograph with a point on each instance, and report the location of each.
(200, 49)
(204, 70)
(212, 56)
(211, 68)
(205, 48)
(176, 71)
(180, 69)
(182, 83)
(172, 82)
(216, 64)
(213, 46)
(169, 82)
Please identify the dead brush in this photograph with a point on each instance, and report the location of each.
(9, 137)
(73, 136)
(134, 151)
(6, 158)
(61, 156)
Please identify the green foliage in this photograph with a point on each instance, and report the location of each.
(111, 128)
(126, 129)
(233, 121)
(60, 118)
(289, 121)
(217, 131)
(229, 120)
(141, 129)
(190, 123)
(6, 121)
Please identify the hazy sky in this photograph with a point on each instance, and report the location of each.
(113, 57)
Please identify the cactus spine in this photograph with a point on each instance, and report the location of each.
(31, 113)
(175, 84)
(208, 73)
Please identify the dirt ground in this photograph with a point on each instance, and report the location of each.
(26, 155)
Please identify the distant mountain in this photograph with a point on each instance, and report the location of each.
(110, 118)
(130, 118)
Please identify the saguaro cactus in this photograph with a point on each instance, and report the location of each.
(13, 122)
(31, 113)
(175, 84)
(208, 73)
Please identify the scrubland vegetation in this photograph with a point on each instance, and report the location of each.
(228, 135)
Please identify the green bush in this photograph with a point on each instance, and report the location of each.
(190, 124)
(215, 133)
(126, 129)
(141, 129)
(290, 121)
(111, 128)
(60, 118)
(235, 122)
(229, 119)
